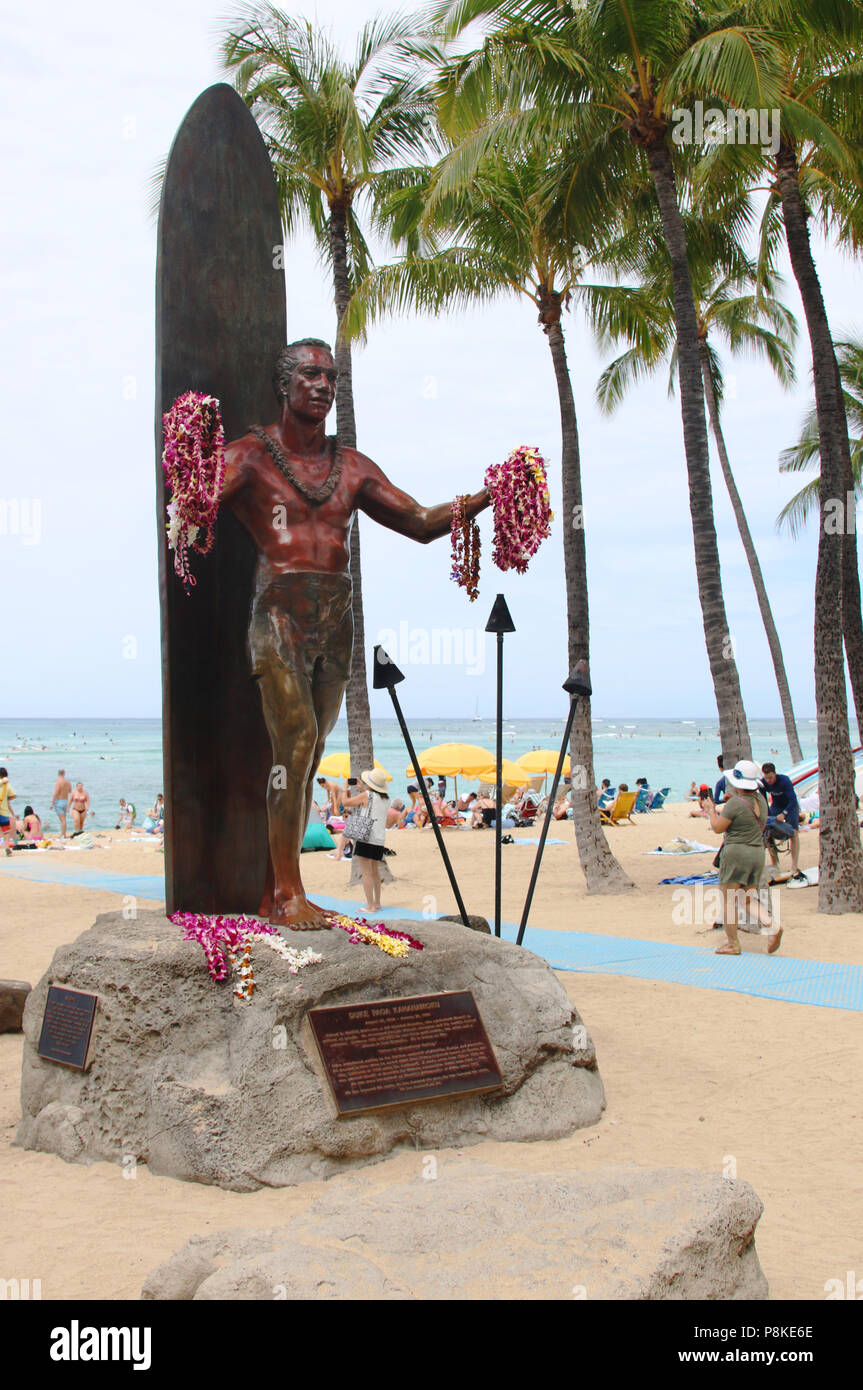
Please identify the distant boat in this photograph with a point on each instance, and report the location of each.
(477, 719)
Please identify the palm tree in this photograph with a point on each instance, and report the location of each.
(338, 133)
(818, 165)
(502, 236)
(611, 76)
(730, 304)
(805, 456)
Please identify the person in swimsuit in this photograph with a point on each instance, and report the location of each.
(31, 826)
(7, 820)
(60, 799)
(297, 492)
(742, 820)
(79, 805)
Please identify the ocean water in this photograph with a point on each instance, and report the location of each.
(123, 757)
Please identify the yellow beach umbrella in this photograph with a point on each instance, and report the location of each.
(543, 760)
(339, 765)
(451, 760)
(511, 773)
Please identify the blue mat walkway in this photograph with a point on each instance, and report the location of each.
(823, 983)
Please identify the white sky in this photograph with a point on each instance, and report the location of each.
(91, 99)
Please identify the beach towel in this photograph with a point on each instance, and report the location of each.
(682, 846)
(811, 876)
(692, 878)
(534, 840)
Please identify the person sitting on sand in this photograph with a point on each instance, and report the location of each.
(742, 820)
(396, 815)
(31, 826)
(482, 812)
(444, 814)
(705, 803)
(693, 793)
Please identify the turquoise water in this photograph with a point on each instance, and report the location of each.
(123, 757)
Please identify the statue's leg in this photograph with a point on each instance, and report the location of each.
(289, 714)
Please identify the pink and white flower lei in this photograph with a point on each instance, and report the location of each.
(193, 459)
(522, 512)
(227, 942)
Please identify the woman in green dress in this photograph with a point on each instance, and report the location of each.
(741, 819)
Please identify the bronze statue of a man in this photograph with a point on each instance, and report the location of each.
(296, 492)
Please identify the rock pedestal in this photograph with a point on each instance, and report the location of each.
(483, 1232)
(206, 1087)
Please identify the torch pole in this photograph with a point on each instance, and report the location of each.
(576, 684)
(421, 781)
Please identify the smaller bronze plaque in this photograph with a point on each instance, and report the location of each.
(67, 1026)
(397, 1051)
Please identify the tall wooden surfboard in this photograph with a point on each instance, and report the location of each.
(220, 321)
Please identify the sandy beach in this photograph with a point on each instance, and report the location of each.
(694, 1077)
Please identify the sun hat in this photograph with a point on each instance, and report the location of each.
(375, 780)
(745, 776)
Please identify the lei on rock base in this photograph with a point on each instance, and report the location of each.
(518, 488)
(227, 943)
(193, 460)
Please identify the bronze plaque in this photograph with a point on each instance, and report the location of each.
(397, 1051)
(67, 1026)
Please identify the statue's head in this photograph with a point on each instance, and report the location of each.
(305, 377)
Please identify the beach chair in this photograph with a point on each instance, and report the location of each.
(622, 809)
(659, 799)
(641, 800)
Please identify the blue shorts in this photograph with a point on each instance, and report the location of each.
(60, 806)
(4, 822)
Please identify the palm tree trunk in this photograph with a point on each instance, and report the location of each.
(601, 870)
(840, 884)
(852, 615)
(359, 715)
(752, 560)
(733, 728)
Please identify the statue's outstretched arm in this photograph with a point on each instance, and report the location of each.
(389, 506)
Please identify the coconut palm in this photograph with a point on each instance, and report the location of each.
(502, 236)
(611, 76)
(339, 133)
(805, 456)
(818, 167)
(729, 304)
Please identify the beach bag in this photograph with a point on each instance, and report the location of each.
(358, 825)
(317, 837)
